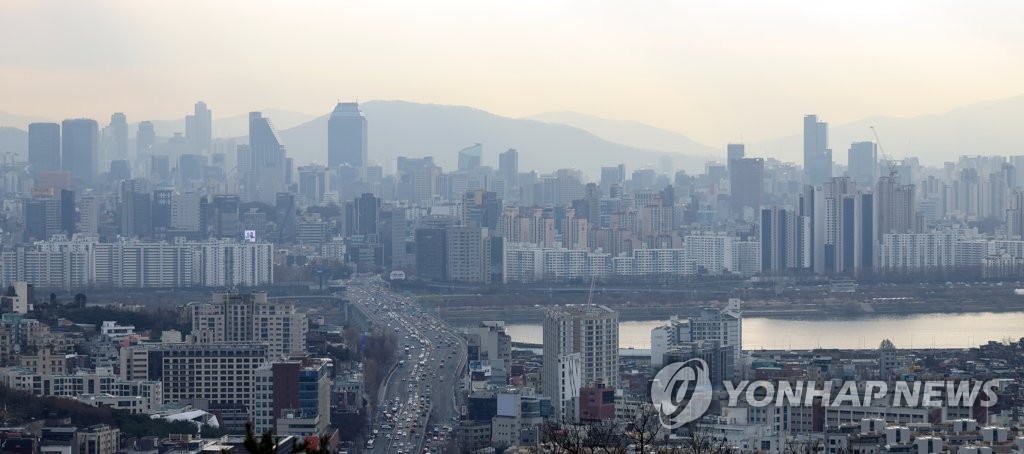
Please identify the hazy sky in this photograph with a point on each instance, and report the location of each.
(713, 70)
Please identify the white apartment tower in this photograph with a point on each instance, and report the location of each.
(236, 317)
(581, 347)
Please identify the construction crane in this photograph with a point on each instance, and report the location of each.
(889, 162)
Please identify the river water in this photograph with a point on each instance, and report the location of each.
(912, 331)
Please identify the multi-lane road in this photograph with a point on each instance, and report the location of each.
(418, 403)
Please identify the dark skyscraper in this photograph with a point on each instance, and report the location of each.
(199, 129)
(817, 154)
(43, 147)
(144, 140)
(471, 157)
(346, 136)
(80, 141)
(266, 174)
(746, 179)
(733, 152)
(67, 212)
(119, 136)
(362, 214)
(862, 162)
(508, 168)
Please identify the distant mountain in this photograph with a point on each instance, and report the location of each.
(233, 126)
(14, 140)
(18, 121)
(986, 128)
(631, 133)
(411, 129)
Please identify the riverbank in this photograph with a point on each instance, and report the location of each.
(462, 310)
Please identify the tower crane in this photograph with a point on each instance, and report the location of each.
(889, 162)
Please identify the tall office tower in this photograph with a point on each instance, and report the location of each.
(79, 146)
(817, 154)
(145, 138)
(612, 176)
(67, 212)
(89, 213)
(42, 218)
(346, 137)
(471, 157)
(251, 317)
(481, 209)
(746, 181)
(895, 206)
(43, 147)
(119, 135)
(187, 213)
(393, 231)
(119, 170)
(225, 219)
(266, 175)
(785, 240)
(734, 151)
(432, 254)
(136, 209)
(862, 164)
(362, 215)
(581, 348)
(199, 130)
(508, 169)
(162, 207)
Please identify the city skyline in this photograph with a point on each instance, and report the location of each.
(715, 84)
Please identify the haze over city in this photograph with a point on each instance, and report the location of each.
(332, 227)
(717, 72)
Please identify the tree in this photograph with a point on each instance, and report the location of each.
(80, 300)
(265, 445)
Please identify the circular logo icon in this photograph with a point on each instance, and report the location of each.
(682, 392)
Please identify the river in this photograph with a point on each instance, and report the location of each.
(920, 331)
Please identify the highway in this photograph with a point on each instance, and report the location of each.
(419, 399)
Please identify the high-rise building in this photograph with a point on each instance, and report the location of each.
(136, 210)
(119, 138)
(67, 212)
(466, 255)
(293, 397)
(79, 143)
(612, 176)
(362, 215)
(581, 348)
(43, 147)
(471, 157)
(862, 164)
(432, 254)
(734, 151)
(817, 154)
(42, 218)
(145, 138)
(225, 220)
(481, 209)
(724, 326)
(746, 181)
(346, 137)
(199, 130)
(251, 317)
(313, 183)
(895, 206)
(842, 226)
(508, 168)
(265, 175)
(785, 240)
